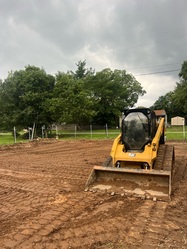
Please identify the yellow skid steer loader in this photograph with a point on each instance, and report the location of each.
(140, 162)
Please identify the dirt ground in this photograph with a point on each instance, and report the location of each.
(43, 203)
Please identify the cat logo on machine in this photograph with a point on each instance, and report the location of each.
(132, 154)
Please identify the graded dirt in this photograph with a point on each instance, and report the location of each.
(43, 203)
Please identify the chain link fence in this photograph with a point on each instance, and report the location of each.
(91, 131)
(75, 132)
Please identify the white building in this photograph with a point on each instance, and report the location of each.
(178, 121)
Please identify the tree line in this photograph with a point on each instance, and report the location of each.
(175, 102)
(31, 96)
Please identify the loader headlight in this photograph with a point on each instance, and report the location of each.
(146, 166)
(118, 164)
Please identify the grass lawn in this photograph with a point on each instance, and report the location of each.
(172, 133)
(96, 134)
(8, 138)
(176, 133)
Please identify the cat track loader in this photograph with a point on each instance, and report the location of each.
(140, 162)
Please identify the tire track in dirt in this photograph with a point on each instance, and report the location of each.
(43, 204)
(81, 222)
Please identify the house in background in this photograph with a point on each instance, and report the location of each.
(160, 114)
(180, 121)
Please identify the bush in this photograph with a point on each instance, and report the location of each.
(17, 134)
(25, 135)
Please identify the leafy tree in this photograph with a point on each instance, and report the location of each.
(36, 88)
(8, 109)
(26, 93)
(166, 103)
(175, 102)
(71, 102)
(183, 72)
(113, 91)
(31, 96)
(180, 92)
(81, 71)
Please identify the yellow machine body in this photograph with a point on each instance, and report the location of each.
(130, 158)
(146, 171)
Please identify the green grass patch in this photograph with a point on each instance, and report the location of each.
(176, 133)
(172, 133)
(86, 134)
(8, 138)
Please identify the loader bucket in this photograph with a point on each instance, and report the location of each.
(148, 184)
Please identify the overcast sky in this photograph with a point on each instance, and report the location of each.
(140, 36)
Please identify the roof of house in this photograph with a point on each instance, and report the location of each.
(160, 112)
(177, 117)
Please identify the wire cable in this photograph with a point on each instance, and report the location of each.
(177, 63)
(169, 71)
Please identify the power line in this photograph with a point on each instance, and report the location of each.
(161, 65)
(169, 71)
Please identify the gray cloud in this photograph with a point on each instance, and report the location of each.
(55, 34)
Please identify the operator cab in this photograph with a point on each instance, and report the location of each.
(138, 128)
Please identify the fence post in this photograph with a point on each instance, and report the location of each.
(106, 130)
(30, 133)
(56, 132)
(43, 128)
(33, 130)
(184, 135)
(75, 131)
(91, 131)
(14, 134)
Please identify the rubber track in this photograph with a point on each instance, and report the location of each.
(165, 158)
